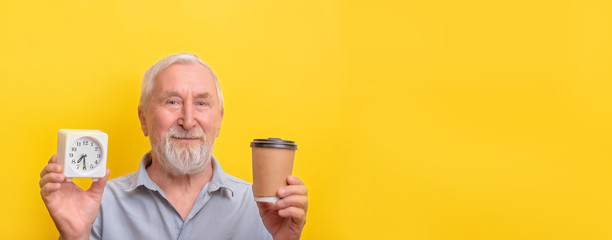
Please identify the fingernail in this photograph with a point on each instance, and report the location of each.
(281, 192)
(280, 203)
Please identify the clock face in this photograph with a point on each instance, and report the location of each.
(84, 155)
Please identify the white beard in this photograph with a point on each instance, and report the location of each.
(181, 159)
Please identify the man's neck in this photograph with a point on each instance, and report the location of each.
(181, 191)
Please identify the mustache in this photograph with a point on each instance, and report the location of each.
(178, 132)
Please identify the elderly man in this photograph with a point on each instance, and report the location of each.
(179, 190)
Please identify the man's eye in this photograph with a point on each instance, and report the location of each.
(201, 103)
(172, 102)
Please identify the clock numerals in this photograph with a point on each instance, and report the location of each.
(85, 155)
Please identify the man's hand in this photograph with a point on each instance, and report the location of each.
(285, 219)
(72, 209)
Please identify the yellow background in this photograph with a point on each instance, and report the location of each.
(414, 119)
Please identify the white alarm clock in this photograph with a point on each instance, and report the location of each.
(82, 153)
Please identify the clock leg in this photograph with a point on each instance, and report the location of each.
(94, 179)
(68, 179)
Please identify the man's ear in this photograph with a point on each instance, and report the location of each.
(143, 121)
(219, 124)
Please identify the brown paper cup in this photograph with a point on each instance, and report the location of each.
(272, 164)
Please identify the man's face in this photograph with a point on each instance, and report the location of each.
(182, 112)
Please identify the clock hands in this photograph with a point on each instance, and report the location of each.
(82, 157)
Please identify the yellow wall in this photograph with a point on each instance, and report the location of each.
(414, 119)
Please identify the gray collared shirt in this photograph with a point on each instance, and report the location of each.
(134, 207)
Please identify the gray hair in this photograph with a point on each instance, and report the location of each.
(182, 58)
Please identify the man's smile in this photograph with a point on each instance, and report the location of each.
(186, 139)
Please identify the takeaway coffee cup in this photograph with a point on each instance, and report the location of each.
(272, 164)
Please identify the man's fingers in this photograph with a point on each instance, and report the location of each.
(53, 159)
(299, 201)
(294, 212)
(296, 186)
(292, 190)
(51, 178)
(49, 188)
(294, 200)
(293, 180)
(98, 187)
(51, 167)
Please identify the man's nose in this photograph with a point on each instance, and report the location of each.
(187, 121)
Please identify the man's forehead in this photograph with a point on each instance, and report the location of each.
(180, 77)
(176, 70)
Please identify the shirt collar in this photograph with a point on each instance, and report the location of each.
(219, 179)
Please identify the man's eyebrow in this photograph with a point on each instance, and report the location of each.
(177, 94)
(202, 95)
(171, 94)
